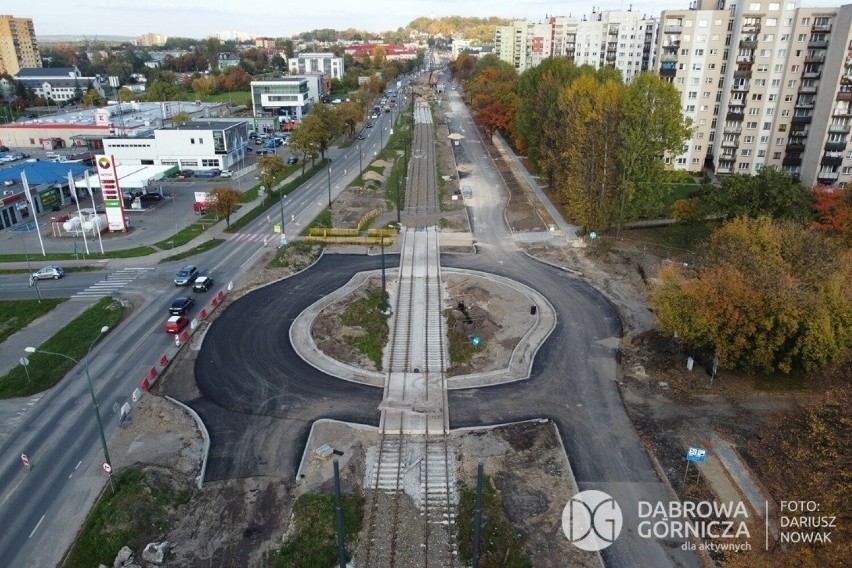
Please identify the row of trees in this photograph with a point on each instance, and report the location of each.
(772, 292)
(598, 142)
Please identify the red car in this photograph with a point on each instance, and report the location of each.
(175, 324)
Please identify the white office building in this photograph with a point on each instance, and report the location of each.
(326, 63)
(196, 145)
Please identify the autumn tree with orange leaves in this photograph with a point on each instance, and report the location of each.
(771, 296)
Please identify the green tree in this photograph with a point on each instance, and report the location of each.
(773, 297)
(589, 178)
(270, 169)
(225, 202)
(326, 122)
(350, 114)
(92, 99)
(305, 141)
(161, 90)
(770, 192)
(652, 126)
(539, 120)
(180, 118)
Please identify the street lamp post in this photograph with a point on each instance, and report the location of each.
(360, 166)
(33, 281)
(104, 329)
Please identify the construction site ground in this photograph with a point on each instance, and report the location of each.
(239, 522)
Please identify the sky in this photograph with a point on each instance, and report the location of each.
(202, 18)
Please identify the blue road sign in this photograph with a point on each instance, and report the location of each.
(696, 454)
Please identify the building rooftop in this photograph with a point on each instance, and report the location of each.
(27, 72)
(203, 125)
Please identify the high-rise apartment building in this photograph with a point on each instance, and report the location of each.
(766, 83)
(152, 39)
(620, 39)
(18, 46)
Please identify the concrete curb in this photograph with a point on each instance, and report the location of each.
(306, 451)
(199, 480)
(523, 355)
(305, 346)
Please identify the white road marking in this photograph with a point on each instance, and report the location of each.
(36, 527)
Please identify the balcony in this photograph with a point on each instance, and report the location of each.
(668, 71)
(728, 168)
(792, 160)
(730, 144)
(833, 161)
(745, 59)
(796, 147)
(751, 28)
(811, 74)
(801, 120)
(817, 58)
(732, 129)
(840, 111)
(668, 57)
(838, 128)
(735, 116)
(804, 104)
(741, 88)
(835, 146)
(748, 43)
(817, 44)
(737, 102)
(808, 89)
(821, 28)
(844, 96)
(672, 29)
(742, 74)
(827, 177)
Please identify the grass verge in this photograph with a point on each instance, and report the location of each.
(15, 315)
(72, 340)
(122, 253)
(366, 314)
(272, 198)
(315, 543)
(500, 546)
(138, 513)
(209, 244)
(297, 254)
(321, 221)
(188, 233)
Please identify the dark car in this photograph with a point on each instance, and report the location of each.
(207, 174)
(186, 275)
(181, 305)
(292, 160)
(202, 284)
(361, 137)
(183, 174)
(368, 125)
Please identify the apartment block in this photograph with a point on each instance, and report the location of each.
(152, 39)
(18, 46)
(765, 83)
(620, 39)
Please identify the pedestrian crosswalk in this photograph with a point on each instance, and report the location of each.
(112, 283)
(258, 237)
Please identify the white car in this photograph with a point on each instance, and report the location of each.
(226, 173)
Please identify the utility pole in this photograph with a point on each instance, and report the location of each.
(329, 183)
(384, 288)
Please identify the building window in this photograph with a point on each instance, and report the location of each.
(846, 170)
(210, 163)
(780, 141)
(761, 153)
(753, 111)
(748, 139)
(776, 155)
(189, 163)
(192, 140)
(751, 125)
(746, 152)
(743, 165)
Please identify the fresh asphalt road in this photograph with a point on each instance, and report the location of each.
(41, 511)
(252, 377)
